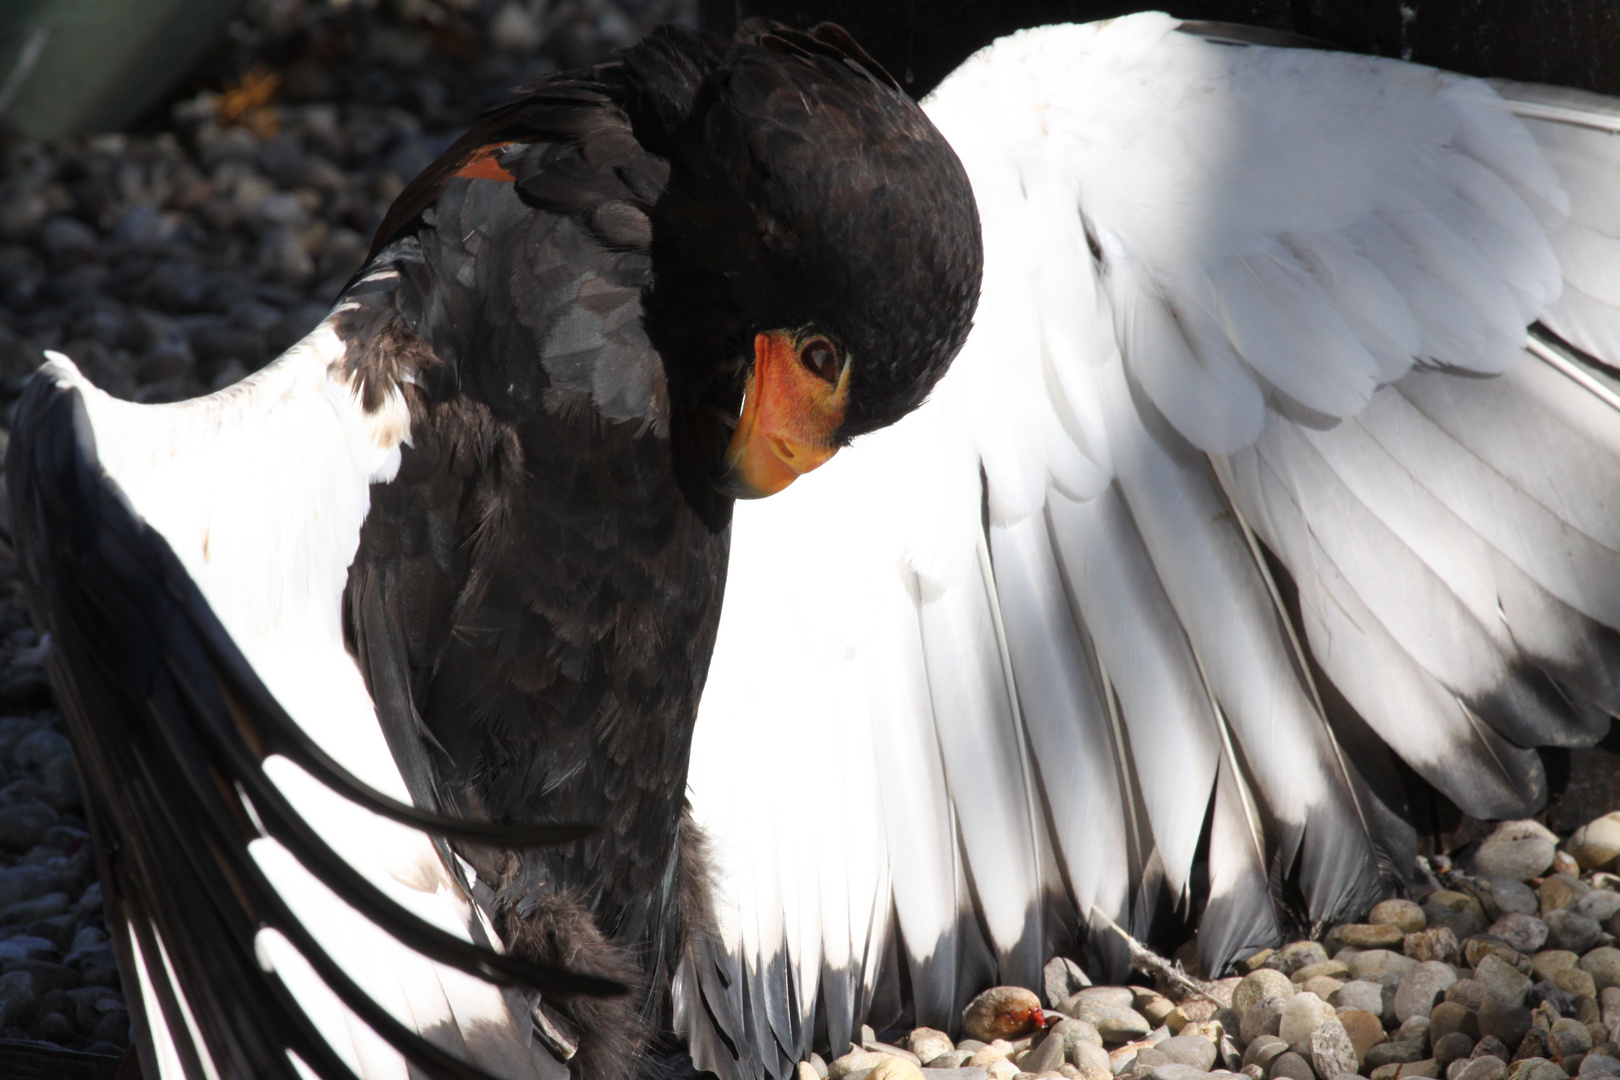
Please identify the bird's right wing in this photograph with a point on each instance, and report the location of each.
(1248, 487)
(276, 899)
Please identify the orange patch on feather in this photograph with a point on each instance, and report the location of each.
(483, 166)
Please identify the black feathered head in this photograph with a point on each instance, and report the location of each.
(816, 254)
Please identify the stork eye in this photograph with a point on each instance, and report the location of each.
(820, 359)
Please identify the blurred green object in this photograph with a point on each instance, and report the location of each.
(72, 66)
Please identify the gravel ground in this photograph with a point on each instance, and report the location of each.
(175, 259)
(1505, 972)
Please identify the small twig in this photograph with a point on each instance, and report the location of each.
(1146, 960)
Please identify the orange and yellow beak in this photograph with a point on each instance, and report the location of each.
(788, 420)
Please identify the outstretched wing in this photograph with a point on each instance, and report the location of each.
(273, 890)
(1248, 486)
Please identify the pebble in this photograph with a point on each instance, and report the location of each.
(1599, 904)
(1526, 933)
(1302, 1014)
(1161, 1010)
(985, 1056)
(1298, 954)
(1266, 982)
(1604, 966)
(1535, 1068)
(1503, 1021)
(1570, 1036)
(1379, 963)
(1502, 980)
(1114, 1024)
(1191, 1050)
(1413, 1030)
(1375, 935)
(1290, 1066)
(1002, 1012)
(1480, 946)
(1073, 1033)
(1322, 986)
(1044, 1056)
(19, 997)
(1394, 1052)
(853, 1062)
(1449, 1016)
(1359, 994)
(1122, 997)
(1454, 1046)
(1518, 850)
(879, 1047)
(1421, 988)
(895, 1068)
(1596, 845)
(1061, 979)
(1331, 968)
(1091, 1061)
(1483, 1068)
(1559, 892)
(1404, 915)
(1572, 981)
(1437, 943)
(1573, 931)
(1468, 993)
(1365, 1029)
(928, 1044)
(1544, 963)
(1510, 895)
(1174, 1070)
(1332, 1052)
(1455, 910)
(1263, 1050)
(1263, 1018)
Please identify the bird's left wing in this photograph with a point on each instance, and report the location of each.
(1201, 532)
(275, 895)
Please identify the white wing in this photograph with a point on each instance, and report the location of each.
(1203, 529)
(275, 470)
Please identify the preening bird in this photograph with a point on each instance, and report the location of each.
(1282, 451)
(382, 665)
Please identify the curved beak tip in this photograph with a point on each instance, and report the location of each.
(765, 465)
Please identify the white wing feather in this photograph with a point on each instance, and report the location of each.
(277, 469)
(1204, 448)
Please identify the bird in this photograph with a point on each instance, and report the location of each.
(1270, 499)
(1269, 487)
(382, 665)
